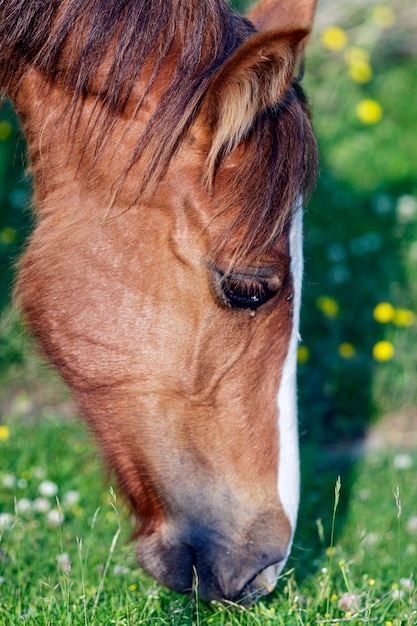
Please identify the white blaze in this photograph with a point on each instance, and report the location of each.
(288, 465)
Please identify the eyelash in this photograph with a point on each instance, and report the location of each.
(241, 293)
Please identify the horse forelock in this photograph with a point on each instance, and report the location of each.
(70, 42)
(277, 169)
(100, 47)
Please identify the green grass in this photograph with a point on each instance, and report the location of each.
(363, 576)
(360, 234)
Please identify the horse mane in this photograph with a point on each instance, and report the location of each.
(68, 40)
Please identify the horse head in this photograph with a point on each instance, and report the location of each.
(163, 277)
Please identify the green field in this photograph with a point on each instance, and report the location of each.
(65, 557)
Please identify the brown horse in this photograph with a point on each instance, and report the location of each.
(171, 151)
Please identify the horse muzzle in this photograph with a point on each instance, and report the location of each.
(205, 561)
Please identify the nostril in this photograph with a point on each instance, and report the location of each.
(267, 578)
(210, 565)
(261, 584)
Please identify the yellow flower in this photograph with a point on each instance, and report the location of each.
(328, 306)
(384, 312)
(384, 16)
(133, 587)
(6, 130)
(334, 38)
(383, 351)
(8, 235)
(303, 354)
(4, 433)
(360, 71)
(371, 582)
(369, 111)
(346, 350)
(404, 317)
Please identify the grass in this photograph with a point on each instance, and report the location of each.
(355, 548)
(361, 228)
(65, 556)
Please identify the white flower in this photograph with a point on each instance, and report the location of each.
(71, 497)
(22, 483)
(41, 505)
(364, 494)
(370, 539)
(48, 489)
(6, 521)
(55, 518)
(9, 481)
(397, 594)
(39, 473)
(120, 570)
(2, 580)
(64, 562)
(406, 209)
(407, 583)
(403, 461)
(349, 602)
(412, 524)
(23, 505)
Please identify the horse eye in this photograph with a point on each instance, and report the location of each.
(245, 292)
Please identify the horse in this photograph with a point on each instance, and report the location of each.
(171, 151)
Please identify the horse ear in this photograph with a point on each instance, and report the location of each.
(274, 14)
(252, 79)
